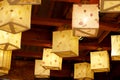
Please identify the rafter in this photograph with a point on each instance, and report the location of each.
(60, 23)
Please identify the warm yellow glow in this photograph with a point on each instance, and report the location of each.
(33, 2)
(14, 18)
(108, 6)
(5, 60)
(9, 41)
(83, 71)
(51, 60)
(40, 71)
(65, 44)
(115, 45)
(85, 20)
(100, 61)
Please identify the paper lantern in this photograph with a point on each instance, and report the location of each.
(14, 18)
(3, 72)
(115, 45)
(41, 72)
(5, 60)
(9, 41)
(51, 60)
(107, 6)
(64, 44)
(33, 2)
(85, 20)
(83, 71)
(100, 61)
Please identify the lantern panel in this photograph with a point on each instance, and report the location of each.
(24, 2)
(3, 72)
(14, 18)
(5, 60)
(115, 45)
(107, 6)
(9, 41)
(51, 60)
(87, 24)
(41, 72)
(83, 71)
(65, 44)
(100, 61)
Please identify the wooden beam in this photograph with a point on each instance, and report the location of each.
(50, 22)
(109, 27)
(102, 36)
(60, 23)
(27, 54)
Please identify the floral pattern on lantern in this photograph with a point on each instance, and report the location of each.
(107, 6)
(51, 60)
(83, 71)
(100, 61)
(85, 20)
(64, 44)
(115, 44)
(33, 2)
(9, 41)
(40, 71)
(14, 18)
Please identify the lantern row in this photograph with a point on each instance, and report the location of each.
(14, 19)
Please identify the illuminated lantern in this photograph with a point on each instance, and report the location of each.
(100, 61)
(82, 71)
(9, 41)
(33, 2)
(115, 44)
(14, 18)
(5, 61)
(85, 20)
(41, 72)
(51, 60)
(3, 72)
(109, 6)
(64, 44)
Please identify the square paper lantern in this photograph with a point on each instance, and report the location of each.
(51, 60)
(41, 72)
(115, 44)
(100, 61)
(24, 2)
(83, 71)
(107, 6)
(9, 41)
(14, 18)
(5, 60)
(3, 72)
(85, 20)
(64, 44)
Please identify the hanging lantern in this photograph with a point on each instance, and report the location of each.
(109, 6)
(85, 20)
(9, 41)
(33, 2)
(100, 61)
(65, 44)
(51, 60)
(83, 71)
(14, 18)
(115, 44)
(41, 72)
(5, 60)
(3, 72)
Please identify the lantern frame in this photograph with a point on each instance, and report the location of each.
(109, 6)
(87, 24)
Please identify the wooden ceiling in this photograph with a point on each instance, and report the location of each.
(54, 15)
